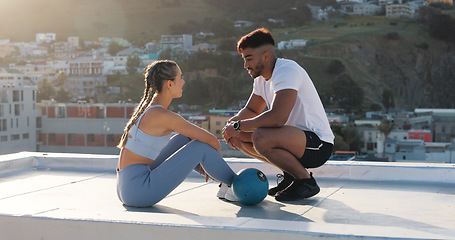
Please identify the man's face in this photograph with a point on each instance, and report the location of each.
(253, 61)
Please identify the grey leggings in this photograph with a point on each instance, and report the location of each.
(142, 185)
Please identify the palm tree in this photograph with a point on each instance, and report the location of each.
(385, 128)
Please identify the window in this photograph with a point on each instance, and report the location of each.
(25, 136)
(52, 137)
(15, 137)
(90, 137)
(17, 109)
(110, 138)
(370, 146)
(71, 137)
(61, 112)
(38, 122)
(4, 138)
(100, 113)
(16, 96)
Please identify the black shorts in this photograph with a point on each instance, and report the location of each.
(317, 152)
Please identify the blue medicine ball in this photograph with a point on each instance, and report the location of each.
(250, 186)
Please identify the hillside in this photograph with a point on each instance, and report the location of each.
(21, 19)
(380, 53)
(377, 53)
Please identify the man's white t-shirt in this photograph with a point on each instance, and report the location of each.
(308, 113)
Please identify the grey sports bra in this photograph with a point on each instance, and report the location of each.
(144, 144)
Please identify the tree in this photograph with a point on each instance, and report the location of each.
(114, 48)
(347, 138)
(335, 67)
(223, 27)
(132, 64)
(220, 89)
(385, 128)
(62, 95)
(346, 93)
(62, 80)
(194, 94)
(165, 54)
(387, 99)
(352, 137)
(46, 90)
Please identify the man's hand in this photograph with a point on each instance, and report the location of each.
(229, 132)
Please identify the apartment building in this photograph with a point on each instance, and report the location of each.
(86, 76)
(19, 118)
(408, 10)
(184, 41)
(83, 127)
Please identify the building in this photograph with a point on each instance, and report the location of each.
(366, 9)
(73, 41)
(45, 37)
(242, 24)
(292, 44)
(217, 123)
(420, 151)
(19, 119)
(184, 41)
(408, 10)
(18, 78)
(204, 47)
(424, 135)
(82, 127)
(370, 136)
(442, 125)
(442, 1)
(86, 76)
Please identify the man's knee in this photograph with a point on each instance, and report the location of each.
(260, 139)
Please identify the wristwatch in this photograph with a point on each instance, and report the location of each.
(237, 126)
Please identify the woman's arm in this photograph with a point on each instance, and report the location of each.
(178, 124)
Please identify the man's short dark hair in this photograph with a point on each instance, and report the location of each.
(255, 39)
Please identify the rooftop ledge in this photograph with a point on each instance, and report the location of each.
(73, 196)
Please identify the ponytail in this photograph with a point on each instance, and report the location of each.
(155, 74)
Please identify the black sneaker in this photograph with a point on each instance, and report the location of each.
(286, 180)
(299, 189)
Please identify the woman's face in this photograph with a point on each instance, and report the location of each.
(177, 86)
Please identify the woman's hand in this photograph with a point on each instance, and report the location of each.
(207, 176)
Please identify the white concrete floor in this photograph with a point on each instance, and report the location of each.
(56, 203)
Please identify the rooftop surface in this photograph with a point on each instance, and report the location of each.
(73, 196)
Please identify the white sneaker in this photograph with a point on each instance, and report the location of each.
(226, 193)
(230, 195)
(222, 191)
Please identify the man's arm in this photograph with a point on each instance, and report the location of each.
(253, 108)
(276, 116)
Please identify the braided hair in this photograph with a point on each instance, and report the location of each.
(155, 75)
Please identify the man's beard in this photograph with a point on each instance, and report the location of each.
(256, 71)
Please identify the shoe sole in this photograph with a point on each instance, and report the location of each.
(287, 199)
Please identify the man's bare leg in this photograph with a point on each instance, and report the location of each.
(282, 147)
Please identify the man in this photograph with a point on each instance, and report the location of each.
(293, 134)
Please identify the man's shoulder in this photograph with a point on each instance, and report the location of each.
(287, 64)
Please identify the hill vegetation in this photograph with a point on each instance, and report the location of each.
(352, 60)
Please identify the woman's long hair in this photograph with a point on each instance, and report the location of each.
(155, 75)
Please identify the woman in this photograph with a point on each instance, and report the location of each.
(151, 163)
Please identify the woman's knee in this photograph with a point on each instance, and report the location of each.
(197, 145)
(180, 138)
